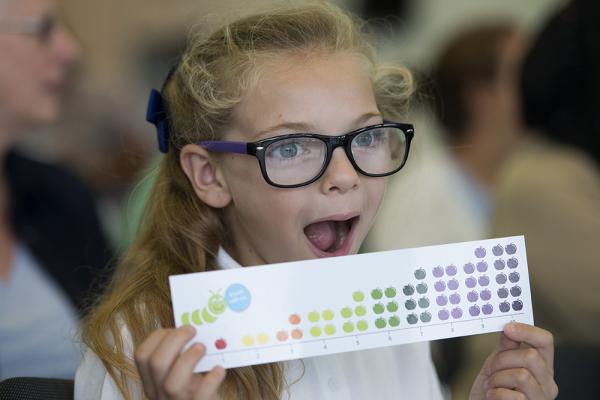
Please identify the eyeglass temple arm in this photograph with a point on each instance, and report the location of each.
(225, 147)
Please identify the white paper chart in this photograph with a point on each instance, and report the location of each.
(285, 311)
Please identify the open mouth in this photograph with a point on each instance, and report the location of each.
(331, 237)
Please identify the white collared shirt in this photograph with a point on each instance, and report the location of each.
(398, 372)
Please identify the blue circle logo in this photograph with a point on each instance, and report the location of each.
(237, 297)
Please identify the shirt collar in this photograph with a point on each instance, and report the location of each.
(225, 261)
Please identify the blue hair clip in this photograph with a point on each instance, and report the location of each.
(157, 115)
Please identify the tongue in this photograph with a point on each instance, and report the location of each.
(321, 234)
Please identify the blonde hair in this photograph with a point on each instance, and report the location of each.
(179, 233)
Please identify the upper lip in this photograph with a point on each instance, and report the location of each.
(337, 217)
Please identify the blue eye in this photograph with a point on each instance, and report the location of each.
(370, 138)
(286, 150)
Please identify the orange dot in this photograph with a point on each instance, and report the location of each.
(294, 319)
(297, 333)
(282, 336)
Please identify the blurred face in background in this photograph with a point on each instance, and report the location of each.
(36, 55)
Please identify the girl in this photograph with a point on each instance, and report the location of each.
(266, 79)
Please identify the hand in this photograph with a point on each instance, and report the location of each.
(515, 373)
(167, 373)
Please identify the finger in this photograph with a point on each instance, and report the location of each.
(142, 356)
(506, 343)
(529, 359)
(504, 394)
(536, 337)
(519, 379)
(166, 352)
(209, 385)
(180, 375)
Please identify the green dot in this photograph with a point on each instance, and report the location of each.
(358, 296)
(329, 329)
(348, 327)
(313, 316)
(360, 311)
(362, 325)
(376, 294)
(390, 292)
(378, 308)
(380, 323)
(392, 306)
(327, 315)
(394, 321)
(315, 331)
(346, 312)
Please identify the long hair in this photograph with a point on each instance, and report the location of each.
(178, 232)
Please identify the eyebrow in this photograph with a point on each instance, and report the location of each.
(302, 127)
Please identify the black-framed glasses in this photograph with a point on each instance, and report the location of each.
(41, 28)
(299, 159)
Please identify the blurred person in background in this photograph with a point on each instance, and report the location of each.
(550, 192)
(51, 244)
(446, 199)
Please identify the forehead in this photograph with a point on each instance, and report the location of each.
(325, 91)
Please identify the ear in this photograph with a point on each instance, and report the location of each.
(203, 171)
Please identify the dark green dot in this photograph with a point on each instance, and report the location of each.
(412, 319)
(378, 308)
(376, 294)
(421, 288)
(392, 306)
(380, 323)
(423, 302)
(420, 273)
(425, 316)
(408, 290)
(390, 292)
(410, 304)
(394, 321)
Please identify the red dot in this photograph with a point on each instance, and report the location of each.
(220, 344)
(294, 319)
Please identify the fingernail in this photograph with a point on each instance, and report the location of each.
(510, 327)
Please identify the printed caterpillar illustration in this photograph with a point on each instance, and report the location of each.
(209, 314)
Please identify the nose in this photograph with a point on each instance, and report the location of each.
(340, 175)
(66, 48)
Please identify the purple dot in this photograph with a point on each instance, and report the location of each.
(485, 295)
(512, 263)
(517, 305)
(503, 293)
(487, 309)
(497, 250)
(501, 279)
(482, 266)
(480, 252)
(470, 282)
(441, 300)
(472, 296)
(456, 312)
(474, 310)
(483, 280)
(443, 314)
(452, 284)
(440, 286)
(499, 264)
(455, 298)
(438, 272)
(514, 277)
(515, 291)
(469, 268)
(511, 249)
(504, 306)
(451, 270)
